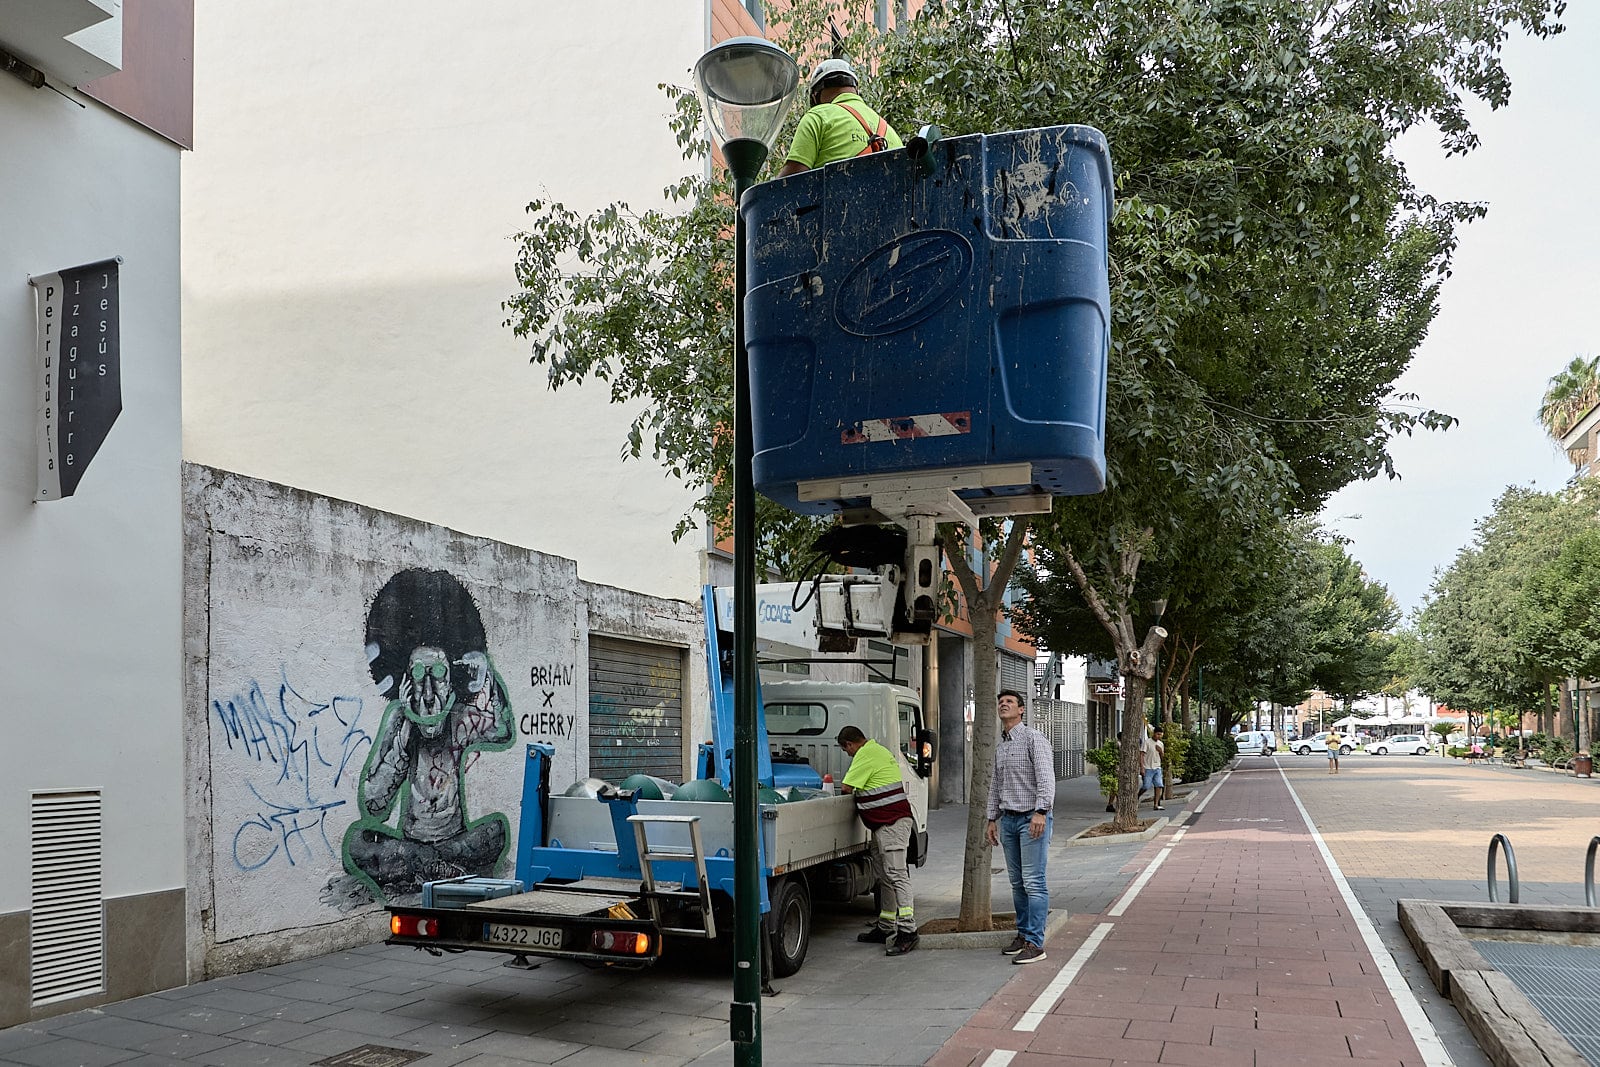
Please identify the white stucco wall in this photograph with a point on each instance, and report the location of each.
(359, 170)
(90, 614)
(287, 593)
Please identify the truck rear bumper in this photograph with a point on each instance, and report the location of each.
(540, 923)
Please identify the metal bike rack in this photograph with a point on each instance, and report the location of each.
(1501, 841)
(1588, 871)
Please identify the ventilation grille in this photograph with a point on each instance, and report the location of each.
(67, 927)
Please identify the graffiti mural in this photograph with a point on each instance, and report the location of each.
(311, 749)
(429, 657)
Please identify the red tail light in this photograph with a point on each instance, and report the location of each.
(621, 942)
(413, 926)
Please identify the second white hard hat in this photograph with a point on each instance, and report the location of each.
(830, 67)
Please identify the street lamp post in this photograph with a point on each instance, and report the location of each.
(746, 86)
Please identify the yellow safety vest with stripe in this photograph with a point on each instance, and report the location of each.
(880, 795)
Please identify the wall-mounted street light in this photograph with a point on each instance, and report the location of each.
(746, 87)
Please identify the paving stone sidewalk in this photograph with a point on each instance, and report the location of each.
(469, 1009)
(1239, 950)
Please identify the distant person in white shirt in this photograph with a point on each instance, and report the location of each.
(1154, 750)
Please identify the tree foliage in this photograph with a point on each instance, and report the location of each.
(1273, 268)
(1571, 392)
(1559, 626)
(1480, 648)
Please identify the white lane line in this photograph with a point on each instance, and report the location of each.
(1058, 985)
(1416, 1020)
(999, 1058)
(1178, 836)
(1139, 883)
(1202, 805)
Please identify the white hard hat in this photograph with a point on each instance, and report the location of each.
(830, 67)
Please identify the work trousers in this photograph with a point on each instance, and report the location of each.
(888, 859)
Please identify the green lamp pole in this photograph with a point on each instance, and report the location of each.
(746, 86)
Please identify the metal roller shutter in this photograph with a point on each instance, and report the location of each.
(635, 710)
(1016, 672)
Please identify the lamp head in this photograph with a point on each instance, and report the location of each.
(746, 86)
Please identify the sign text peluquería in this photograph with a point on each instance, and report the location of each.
(79, 340)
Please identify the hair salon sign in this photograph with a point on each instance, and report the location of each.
(80, 371)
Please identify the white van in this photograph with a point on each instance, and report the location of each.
(1256, 742)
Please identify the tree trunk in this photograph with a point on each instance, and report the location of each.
(1583, 721)
(976, 907)
(1130, 768)
(1564, 719)
(984, 598)
(1137, 662)
(1188, 712)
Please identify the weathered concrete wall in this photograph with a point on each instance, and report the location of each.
(360, 689)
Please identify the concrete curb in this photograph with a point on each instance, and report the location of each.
(1077, 840)
(992, 939)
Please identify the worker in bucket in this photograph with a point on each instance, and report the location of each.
(839, 124)
(881, 801)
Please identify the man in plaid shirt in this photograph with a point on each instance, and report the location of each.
(1021, 794)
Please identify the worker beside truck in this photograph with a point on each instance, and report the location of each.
(874, 779)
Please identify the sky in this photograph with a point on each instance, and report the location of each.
(1523, 299)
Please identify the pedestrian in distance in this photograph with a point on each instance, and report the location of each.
(839, 124)
(874, 779)
(1154, 750)
(1334, 741)
(1021, 796)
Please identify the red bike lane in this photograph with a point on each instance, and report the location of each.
(1238, 943)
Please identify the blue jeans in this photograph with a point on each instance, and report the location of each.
(1025, 861)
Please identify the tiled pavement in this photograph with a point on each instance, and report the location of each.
(471, 1010)
(1240, 949)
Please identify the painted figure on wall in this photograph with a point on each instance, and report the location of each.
(429, 655)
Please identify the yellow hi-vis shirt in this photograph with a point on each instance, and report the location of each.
(871, 766)
(829, 133)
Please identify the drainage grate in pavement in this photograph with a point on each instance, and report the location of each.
(1563, 981)
(373, 1056)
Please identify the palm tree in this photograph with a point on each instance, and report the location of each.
(1444, 730)
(1570, 394)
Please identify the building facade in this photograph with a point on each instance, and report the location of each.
(92, 893)
(348, 227)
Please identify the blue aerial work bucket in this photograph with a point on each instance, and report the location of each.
(906, 324)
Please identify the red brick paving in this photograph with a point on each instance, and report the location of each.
(1239, 951)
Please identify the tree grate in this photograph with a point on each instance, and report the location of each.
(1562, 981)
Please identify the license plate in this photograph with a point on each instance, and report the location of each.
(530, 936)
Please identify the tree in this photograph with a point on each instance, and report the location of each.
(1477, 651)
(1572, 391)
(1443, 730)
(1273, 268)
(1404, 668)
(1350, 615)
(1561, 623)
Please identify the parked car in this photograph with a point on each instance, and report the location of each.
(1319, 743)
(1256, 742)
(1409, 744)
